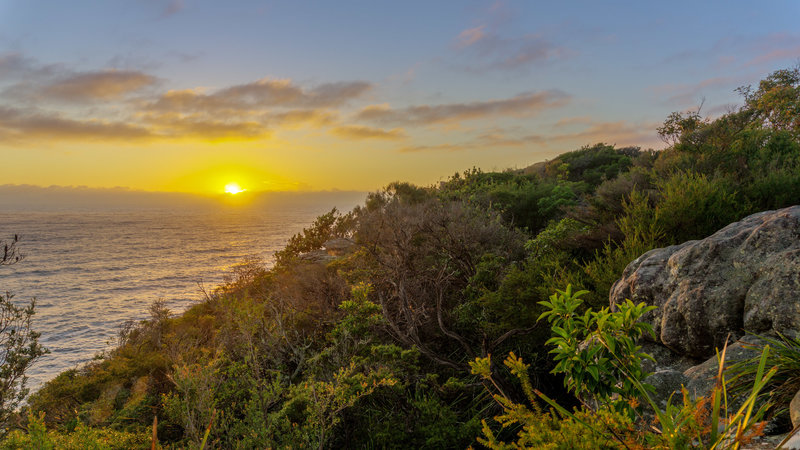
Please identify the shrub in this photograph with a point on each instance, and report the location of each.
(597, 351)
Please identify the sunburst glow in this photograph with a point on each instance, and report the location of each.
(233, 189)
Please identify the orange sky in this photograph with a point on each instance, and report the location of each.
(188, 96)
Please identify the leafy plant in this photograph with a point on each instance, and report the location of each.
(596, 350)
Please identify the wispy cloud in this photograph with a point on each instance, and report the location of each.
(489, 46)
(470, 36)
(483, 142)
(523, 105)
(174, 7)
(102, 85)
(743, 51)
(297, 117)
(584, 131)
(779, 54)
(15, 66)
(686, 95)
(25, 126)
(358, 132)
(619, 133)
(488, 50)
(261, 94)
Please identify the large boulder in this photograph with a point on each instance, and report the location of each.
(742, 278)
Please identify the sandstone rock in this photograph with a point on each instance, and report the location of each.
(741, 278)
(667, 383)
(702, 377)
(794, 410)
(338, 246)
(316, 257)
(793, 443)
(665, 359)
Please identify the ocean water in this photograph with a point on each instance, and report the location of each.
(91, 271)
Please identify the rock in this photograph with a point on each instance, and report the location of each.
(738, 279)
(338, 246)
(794, 410)
(665, 359)
(673, 372)
(316, 257)
(702, 377)
(793, 443)
(667, 383)
(331, 250)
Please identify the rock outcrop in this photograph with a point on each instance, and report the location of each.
(331, 250)
(744, 277)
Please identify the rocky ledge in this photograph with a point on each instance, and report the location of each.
(743, 278)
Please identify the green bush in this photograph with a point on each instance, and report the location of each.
(596, 350)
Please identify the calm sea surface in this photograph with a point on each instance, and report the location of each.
(92, 271)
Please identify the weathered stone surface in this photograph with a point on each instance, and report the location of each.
(317, 257)
(794, 410)
(665, 359)
(741, 278)
(667, 383)
(338, 246)
(702, 377)
(671, 371)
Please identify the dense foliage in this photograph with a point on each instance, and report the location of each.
(374, 343)
(19, 343)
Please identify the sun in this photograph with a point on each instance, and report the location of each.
(233, 189)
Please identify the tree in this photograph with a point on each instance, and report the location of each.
(423, 255)
(19, 344)
(777, 99)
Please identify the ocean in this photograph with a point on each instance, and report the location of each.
(91, 271)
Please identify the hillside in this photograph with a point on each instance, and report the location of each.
(383, 337)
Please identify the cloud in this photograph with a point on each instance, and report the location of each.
(691, 94)
(471, 36)
(523, 105)
(437, 148)
(488, 141)
(621, 133)
(102, 85)
(573, 121)
(12, 64)
(296, 117)
(358, 132)
(210, 130)
(499, 139)
(29, 81)
(495, 52)
(125, 106)
(261, 94)
(745, 51)
(15, 66)
(17, 125)
(174, 7)
(775, 55)
(21, 126)
(489, 46)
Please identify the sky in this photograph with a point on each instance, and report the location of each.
(191, 95)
